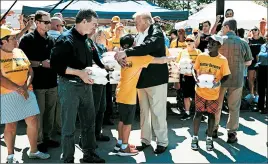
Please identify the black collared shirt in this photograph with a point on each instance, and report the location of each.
(38, 48)
(72, 50)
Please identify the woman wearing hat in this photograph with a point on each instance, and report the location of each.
(18, 101)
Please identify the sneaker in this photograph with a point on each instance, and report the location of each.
(232, 137)
(93, 158)
(209, 145)
(127, 152)
(185, 116)
(12, 160)
(194, 144)
(38, 155)
(249, 97)
(256, 99)
(117, 147)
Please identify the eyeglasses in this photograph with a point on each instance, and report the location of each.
(45, 22)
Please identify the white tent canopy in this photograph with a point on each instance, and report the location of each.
(247, 13)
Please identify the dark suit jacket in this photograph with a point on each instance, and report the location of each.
(154, 45)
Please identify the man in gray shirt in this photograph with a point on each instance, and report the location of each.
(239, 56)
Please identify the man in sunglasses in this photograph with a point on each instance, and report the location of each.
(56, 27)
(37, 46)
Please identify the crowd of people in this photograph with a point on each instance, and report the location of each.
(46, 80)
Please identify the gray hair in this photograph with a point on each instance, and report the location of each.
(144, 15)
(56, 18)
(231, 22)
(98, 32)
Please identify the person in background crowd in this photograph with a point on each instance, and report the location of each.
(157, 20)
(152, 84)
(173, 35)
(206, 99)
(18, 101)
(262, 76)
(114, 42)
(109, 32)
(188, 30)
(3, 21)
(241, 34)
(37, 46)
(263, 26)
(56, 27)
(69, 58)
(201, 42)
(180, 41)
(187, 83)
(59, 15)
(255, 46)
(98, 42)
(233, 49)
(126, 94)
(229, 13)
(195, 32)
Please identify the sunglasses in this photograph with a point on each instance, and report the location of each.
(45, 22)
(254, 30)
(189, 40)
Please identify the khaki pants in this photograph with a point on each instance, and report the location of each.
(234, 101)
(47, 100)
(153, 114)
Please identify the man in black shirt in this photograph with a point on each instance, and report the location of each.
(201, 42)
(69, 58)
(37, 46)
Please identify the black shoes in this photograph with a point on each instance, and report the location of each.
(102, 137)
(185, 116)
(160, 149)
(232, 138)
(93, 158)
(142, 147)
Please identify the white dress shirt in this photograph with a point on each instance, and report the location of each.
(141, 36)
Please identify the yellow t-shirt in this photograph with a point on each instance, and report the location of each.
(113, 42)
(108, 33)
(217, 66)
(15, 67)
(126, 91)
(189, 54)
(167, 52)
(173, 44)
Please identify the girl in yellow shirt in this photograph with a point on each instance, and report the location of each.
(180, 41)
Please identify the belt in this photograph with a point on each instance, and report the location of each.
(73, 80)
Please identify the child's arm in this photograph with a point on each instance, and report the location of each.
(162, 60)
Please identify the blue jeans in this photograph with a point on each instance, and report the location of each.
(76, 98)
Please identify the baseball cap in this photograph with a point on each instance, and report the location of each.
(188, 30)
(6, 31)
(115, 19)
(217, 38)
(190, 37)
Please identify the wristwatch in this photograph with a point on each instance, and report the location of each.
(40, 64)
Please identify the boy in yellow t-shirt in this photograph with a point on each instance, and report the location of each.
(206, 99)
(126, 94)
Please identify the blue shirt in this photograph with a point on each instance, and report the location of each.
(263, 55)
(53, 33)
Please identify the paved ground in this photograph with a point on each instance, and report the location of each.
(251, 147)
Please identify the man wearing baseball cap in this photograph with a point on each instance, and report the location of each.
(109, 32)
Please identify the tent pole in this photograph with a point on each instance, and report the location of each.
(66, 6)
(55, 6)
(220, 7)
(8, 11)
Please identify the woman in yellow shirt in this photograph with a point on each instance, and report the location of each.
(187, 81)
(115, 40)
(180, 41)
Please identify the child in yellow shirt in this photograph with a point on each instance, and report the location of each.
(126, 94)
(206, 99)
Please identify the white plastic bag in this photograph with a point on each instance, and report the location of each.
(206, 81)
